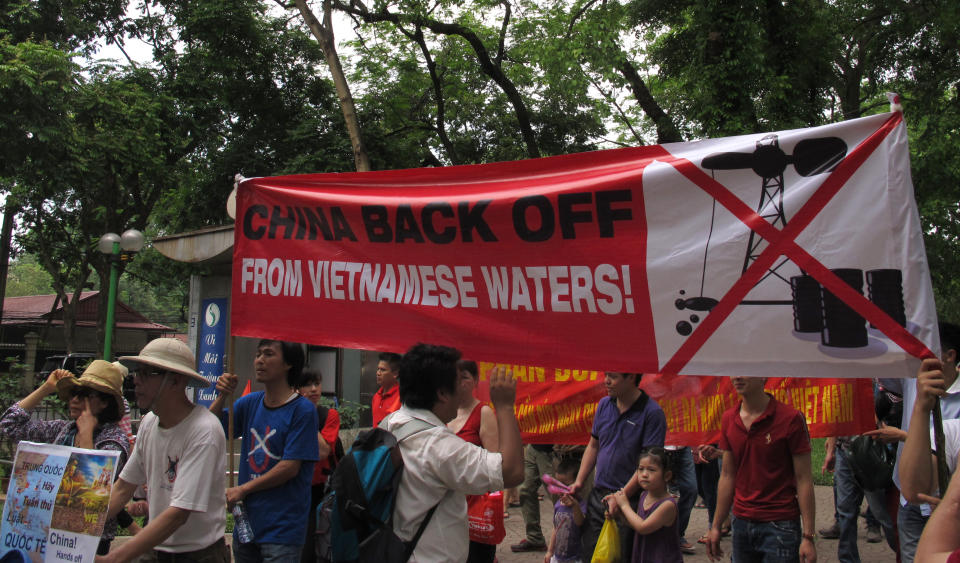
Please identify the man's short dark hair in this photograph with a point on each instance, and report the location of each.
(470, 367)
(949, 337)
(393, 360)
(310, 377)
(636, 377)
(424, 370)
(292, 353)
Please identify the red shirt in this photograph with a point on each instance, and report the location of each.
(765, 489)
(385, 403)
(329, 430)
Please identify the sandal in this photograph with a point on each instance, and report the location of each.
(506, 514)
(703, 539)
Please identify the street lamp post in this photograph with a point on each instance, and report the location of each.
(118, 248)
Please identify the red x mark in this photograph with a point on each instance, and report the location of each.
(784, 243)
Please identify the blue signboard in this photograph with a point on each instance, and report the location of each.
(213, 340)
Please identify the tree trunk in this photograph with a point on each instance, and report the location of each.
(667, 132)
(324, 35)
(6, 236)
(487, 64)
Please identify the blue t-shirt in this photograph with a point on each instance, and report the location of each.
(277, 515)
(623, 436)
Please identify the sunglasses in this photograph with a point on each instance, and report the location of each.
(149, 372)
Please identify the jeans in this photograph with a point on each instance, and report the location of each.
(535, 464)
(708, 475)
(766, 542)
(593, 521)
(685, 481)
(254, 552)
(910, 522)
(849, 496)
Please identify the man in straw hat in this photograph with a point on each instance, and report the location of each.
(180, 457)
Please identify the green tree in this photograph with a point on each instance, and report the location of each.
(27, 277)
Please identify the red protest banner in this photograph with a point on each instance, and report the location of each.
(556, 406)
(652, 259)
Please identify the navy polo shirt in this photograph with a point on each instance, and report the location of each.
(622, 436)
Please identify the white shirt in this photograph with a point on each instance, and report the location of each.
(951, 443)
(185, 467)
(949, 407)
(439, 467)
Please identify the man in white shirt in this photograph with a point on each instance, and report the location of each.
(916, 469)
(180, 457)
(440, 468)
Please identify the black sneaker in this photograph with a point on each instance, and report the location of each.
(525, 545)
(874, 535)
(831, 533)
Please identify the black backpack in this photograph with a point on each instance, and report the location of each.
(355, 518)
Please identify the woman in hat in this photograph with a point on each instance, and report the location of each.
(94, 405)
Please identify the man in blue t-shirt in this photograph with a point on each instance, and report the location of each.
(278, 449)
(626, 422)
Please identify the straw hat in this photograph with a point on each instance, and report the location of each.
(100, 376)
(168, 354)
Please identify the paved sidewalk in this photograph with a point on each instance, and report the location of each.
(826, 549)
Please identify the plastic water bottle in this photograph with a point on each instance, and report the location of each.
(241, 523)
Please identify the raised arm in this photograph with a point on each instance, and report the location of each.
(918, 471)
(226, 384)
(503, 395)
(48, 387)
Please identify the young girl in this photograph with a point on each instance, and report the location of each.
(655, 520)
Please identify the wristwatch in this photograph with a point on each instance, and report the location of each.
(811, 537)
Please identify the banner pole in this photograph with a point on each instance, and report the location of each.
(233, 342)
(943, 475)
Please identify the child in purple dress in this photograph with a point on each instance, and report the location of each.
(568, 518)
(655, 519)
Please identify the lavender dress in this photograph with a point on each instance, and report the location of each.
(662, 546)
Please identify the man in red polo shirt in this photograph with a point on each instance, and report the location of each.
(767, 478)
(387, 398)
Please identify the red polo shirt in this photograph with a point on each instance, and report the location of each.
(766, 487)
(385, 403)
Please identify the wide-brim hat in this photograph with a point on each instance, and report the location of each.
(100, 376)
(168, 354)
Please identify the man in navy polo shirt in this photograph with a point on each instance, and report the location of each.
(767, 478)
(626, 422)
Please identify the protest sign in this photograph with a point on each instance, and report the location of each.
(800, 250)
(213, 342)
(57, 503)
(556, 406)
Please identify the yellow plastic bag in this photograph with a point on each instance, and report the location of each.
(608, 544)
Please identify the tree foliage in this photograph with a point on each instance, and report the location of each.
(241, 86)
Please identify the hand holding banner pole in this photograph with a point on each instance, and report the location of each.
(943, 475)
